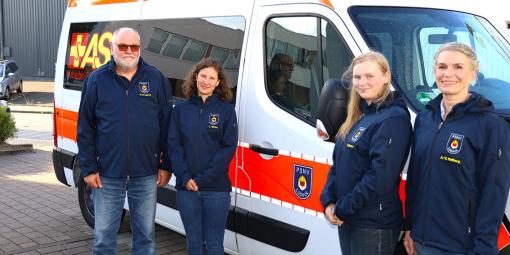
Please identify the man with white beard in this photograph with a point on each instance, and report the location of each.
(122, 133)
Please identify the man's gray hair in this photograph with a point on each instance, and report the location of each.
(118, 30)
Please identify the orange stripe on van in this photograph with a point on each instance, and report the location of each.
(66, 123)
(274, 178)
(328, 3)
(74, 3)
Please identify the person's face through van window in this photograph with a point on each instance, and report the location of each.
(369, 81)
(287, 66)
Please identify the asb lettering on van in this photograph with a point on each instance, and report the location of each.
(87, 54)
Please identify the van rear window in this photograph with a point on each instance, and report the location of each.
(172, 46)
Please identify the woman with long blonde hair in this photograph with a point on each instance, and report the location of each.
(361, 192)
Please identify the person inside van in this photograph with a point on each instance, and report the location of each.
(458, 178)
(361, 192)
(202, 142)
(279, 84)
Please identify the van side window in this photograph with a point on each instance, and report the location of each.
(172, 45)
(301, 54)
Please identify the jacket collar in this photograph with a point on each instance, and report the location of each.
(475, 103)
(196, 99)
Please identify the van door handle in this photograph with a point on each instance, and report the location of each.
(264, 150)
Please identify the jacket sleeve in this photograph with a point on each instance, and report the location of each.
(176, 150)
(165, 113)
(493, 184)
(219, 164)
(86, 133)
(328, 191)
(388, 150)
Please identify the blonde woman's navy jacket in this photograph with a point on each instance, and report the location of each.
(458, 178)
(202, 141)
(123, 125)
(364, 179)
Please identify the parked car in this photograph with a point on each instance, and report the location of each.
(10, 79)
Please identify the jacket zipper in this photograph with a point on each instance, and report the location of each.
(128, 134)
(198, 138)
(469, 215)
(429, 175)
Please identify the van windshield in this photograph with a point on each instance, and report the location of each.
(409, 38)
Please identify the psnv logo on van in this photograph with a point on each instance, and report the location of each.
(302, 181)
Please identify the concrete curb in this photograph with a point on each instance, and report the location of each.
(5, 147)
(31, 109)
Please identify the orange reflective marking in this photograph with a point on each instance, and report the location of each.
(66, 123)
(74, 3)
(328, 3)
(503, 237)
(274, 178)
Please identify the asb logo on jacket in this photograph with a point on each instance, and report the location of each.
(454, 144)
(214, 119)
(144, 88)
(357, 134)
(302, 181)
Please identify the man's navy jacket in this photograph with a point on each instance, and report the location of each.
(458, 178)
(123, 125)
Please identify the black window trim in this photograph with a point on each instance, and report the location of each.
(319, 55)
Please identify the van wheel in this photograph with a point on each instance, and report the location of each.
(20, 88)
(86, 201)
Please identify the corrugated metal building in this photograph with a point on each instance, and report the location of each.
(29, 34)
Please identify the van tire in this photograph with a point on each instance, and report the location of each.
(86, 201)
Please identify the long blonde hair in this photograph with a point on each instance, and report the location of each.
(354, 112)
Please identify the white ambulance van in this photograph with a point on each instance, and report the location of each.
(281, 164)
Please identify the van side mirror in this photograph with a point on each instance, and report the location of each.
(332, 108)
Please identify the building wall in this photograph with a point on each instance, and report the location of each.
(31, 29)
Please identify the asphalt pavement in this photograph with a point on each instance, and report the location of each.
(38, 214)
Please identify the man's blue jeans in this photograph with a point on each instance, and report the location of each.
(108, 204)
(361, 241)
(204, 215)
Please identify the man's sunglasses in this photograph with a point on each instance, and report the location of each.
(124, 47)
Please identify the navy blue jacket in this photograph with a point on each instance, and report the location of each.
(202, 141)
(458, 178)
(364, 179)
(123, 125)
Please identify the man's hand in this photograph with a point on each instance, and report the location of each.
(409, 243)
(93, 180)
(192, 185)
(163, 177)
(331, 217)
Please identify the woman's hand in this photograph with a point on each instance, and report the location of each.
(192, 185)
(331, 217)
(409, 243)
